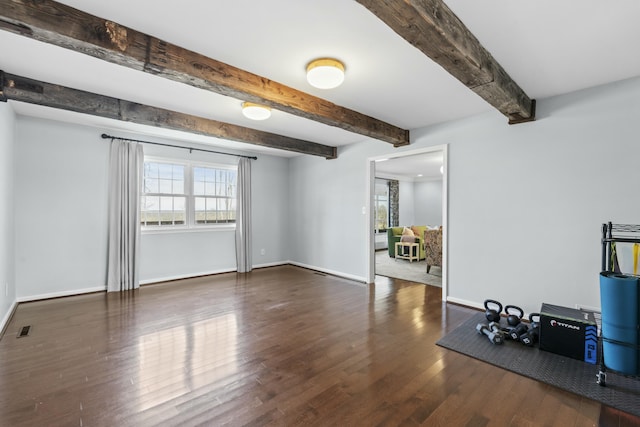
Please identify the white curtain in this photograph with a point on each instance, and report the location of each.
(125, 175)
(243, 216)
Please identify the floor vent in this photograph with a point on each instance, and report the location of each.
(24, 331)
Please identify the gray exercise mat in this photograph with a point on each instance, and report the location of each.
(563, 372)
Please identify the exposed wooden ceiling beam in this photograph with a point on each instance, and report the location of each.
(61, 25)
(434, 29)
(22, 89)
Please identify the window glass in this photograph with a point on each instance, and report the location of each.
(187, 195)
(381, 204)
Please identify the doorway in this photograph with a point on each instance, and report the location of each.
(417, 169)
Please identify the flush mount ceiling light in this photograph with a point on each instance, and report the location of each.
(325, 73)
(255, 111)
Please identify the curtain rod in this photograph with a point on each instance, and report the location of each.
(105, 136)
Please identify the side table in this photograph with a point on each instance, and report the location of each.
(413, 251)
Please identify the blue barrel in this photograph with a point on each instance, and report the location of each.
(620, 317)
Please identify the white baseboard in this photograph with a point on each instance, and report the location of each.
(61, 294)
(472, 304)
(271, 264)
(7, 317)
(186, 276)
(332, 272)
(207, 273)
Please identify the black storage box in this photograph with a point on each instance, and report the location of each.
(569, 332)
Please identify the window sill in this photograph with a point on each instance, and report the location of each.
(203, 229)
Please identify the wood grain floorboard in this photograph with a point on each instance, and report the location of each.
(280, 346)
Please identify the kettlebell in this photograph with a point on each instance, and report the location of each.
(492, 314)
(534, 323)
(513, 319)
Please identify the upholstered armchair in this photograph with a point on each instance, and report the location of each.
(433, 248)
(394, 234)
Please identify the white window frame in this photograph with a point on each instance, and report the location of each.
(375, 204)
(190, 224)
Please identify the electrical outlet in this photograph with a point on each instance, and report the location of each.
(262, 251)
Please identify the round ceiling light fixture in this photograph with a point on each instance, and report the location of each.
(255, 111)
(325, 73)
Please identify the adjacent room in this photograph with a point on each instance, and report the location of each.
(408, 196)
(319, 213)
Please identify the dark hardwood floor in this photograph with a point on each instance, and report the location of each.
(277, 346)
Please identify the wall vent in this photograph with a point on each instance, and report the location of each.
(24, 331)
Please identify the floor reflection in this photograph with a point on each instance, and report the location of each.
(175, 361)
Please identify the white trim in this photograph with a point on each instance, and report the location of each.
(7, 317)
(173, 278)
(445, 222)
(197, 229)
(404, 178)
(271, 264)
(369, 222)
(360, 279)
(466, 303)
(370, 242)
(186, 276)
(255, 266)
(190, 224)
(207, 273)
(62, 294)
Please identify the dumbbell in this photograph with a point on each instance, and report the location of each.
(517, 331)
(494, 337)
(530, 337)
(496, 328)
(513, 319)
(492, 314)
(506, 332)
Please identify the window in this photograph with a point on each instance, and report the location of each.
(215, 195)
(381, 204)
(163, 195)
(186, 195)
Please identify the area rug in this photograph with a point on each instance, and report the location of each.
(568, 374)
(415, 271)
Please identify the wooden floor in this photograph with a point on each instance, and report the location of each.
(278, 346)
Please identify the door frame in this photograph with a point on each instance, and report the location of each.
(369, 219)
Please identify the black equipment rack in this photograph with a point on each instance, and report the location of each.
(611, 234)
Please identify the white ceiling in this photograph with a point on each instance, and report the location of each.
(548, 47)
(419, 167)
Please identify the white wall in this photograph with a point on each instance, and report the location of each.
(526, 202)
(61, 214)
(61, 208)
(406, 207)
(428, 202)
(270, 203)
(7, 246)
(327, 202)
(208, 252)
